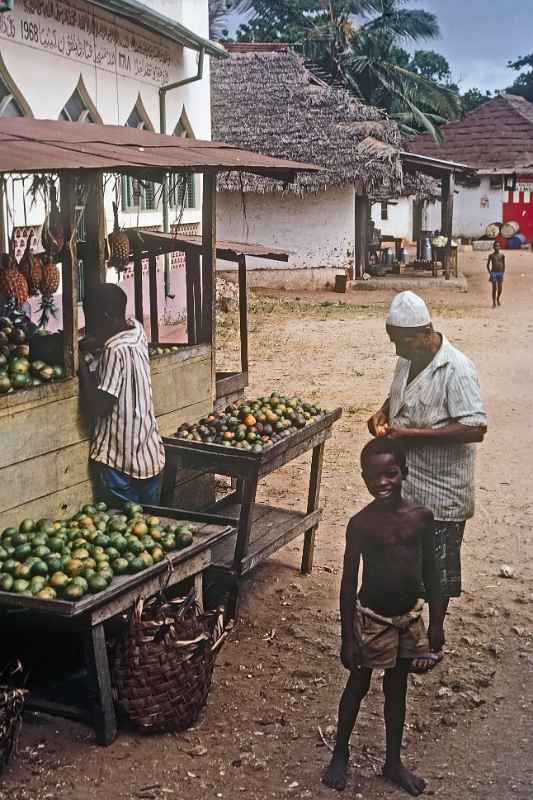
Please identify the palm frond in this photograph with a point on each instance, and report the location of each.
(413, 24)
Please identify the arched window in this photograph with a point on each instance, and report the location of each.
(79, 107)
(182, 188)
(138, 195)
(12, 102)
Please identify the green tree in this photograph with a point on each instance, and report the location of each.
(474, 98)
(431, 65)
(523, 84)
(218, 12)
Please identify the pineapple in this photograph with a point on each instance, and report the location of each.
(49, 286)
(32, 269)
(119, 245)
(53, 234)
(13, 284)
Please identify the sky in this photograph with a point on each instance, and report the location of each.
(478, 38)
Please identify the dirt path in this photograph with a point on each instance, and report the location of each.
(278, 679)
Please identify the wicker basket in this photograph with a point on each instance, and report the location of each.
(11, 708)
(163, 665)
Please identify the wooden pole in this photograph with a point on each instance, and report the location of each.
(447, 189)
(94, 271)
(362, 218)
(243, 313)
(194, 296)
(138, 286)
(69, 270)
(3, 225)
(209, 225)
(152, 279)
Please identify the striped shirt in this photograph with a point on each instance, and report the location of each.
(127, 439)
(441, 476)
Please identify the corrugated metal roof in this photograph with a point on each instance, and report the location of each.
(36, 145)
(161, 24)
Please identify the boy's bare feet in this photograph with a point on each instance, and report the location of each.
(335, 774)
(399, 774)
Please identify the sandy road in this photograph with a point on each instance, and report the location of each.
(278, 679)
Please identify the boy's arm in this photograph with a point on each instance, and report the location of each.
(432, 586)
(503, 263)
(489, 260)
(351, 647)
(98, 402)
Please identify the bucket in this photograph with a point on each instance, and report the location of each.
(340, 282)
(493, 230)
(510, 229)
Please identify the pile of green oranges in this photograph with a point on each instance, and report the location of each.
(68, 559)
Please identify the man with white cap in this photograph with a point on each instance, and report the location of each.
(435, 408)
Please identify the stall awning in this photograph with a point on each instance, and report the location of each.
(37, 145)
(158, 243)
(435, 167)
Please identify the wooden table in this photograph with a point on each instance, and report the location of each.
(88, 616)
(261, 529)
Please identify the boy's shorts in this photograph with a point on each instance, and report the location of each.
(385, 640)
(496, 277)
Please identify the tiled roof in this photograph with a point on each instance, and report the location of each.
(496, 137)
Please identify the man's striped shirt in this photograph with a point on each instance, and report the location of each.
(128, 439)
(441, 476)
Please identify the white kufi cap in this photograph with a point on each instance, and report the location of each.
(408, 310)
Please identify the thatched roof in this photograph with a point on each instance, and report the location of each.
(496, 137)
(271, 103)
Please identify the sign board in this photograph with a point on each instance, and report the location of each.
(81, 32)
(524, 185)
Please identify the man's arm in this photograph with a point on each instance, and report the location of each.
(380, 420)
(99, 403)
(454, 433)
(350, 646)
(431, 580)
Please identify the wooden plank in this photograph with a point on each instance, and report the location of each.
(191, 306)
(279, 538)
(27, 399)
(362, 218)
(313, 498)
(138, 287)
(151, 587)
(69, 288)
(447, 189)
(36, 702)
(94, 267)
(223, 463)
(231, 383)
(209, 266)
(181, 385)
(294, 452)
(152, 281)
(99, 677)
(243, 314)
(57, 505)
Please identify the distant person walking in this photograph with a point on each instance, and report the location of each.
(496, 270)
(435, 408)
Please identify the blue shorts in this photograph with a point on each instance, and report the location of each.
(496, 277)
(117, 488)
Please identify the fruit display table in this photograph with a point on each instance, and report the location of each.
(88, 615)
(261, 529)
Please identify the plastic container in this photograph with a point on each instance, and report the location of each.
(510, 229)
(514, 243)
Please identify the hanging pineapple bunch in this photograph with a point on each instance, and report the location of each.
(119, 245)
(53, 231)
(49, 285)
(32, 269)
(13, 284)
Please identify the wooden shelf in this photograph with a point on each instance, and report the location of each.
(271, 529)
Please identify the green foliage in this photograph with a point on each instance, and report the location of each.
(474, 98)
(431, 65)
(218, 12)
(523, 84)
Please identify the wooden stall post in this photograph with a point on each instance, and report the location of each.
(194, 296)
(94, 262)
(362, 218)
(448, 188)
(138, 285)
(312, 505)
(154, 317)
(243, 313)
(209, 263)
(69, 275)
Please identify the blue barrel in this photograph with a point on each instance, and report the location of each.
(514, 243)
(522, 237)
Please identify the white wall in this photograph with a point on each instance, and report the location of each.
(474, 208)
(317, 229)
(400, 218)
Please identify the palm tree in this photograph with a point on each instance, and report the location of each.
(367, 59)
(218, 11)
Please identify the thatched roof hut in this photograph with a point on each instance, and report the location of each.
(271, 103)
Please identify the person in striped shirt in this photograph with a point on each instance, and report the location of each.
(127, 454)
(435, 409)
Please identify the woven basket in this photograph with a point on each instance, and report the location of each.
(163, 666)
(11, 708)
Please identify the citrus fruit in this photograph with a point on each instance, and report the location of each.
(6, 583)
(120, 566)
(21, 585)
(47, 593)
(97, 583)
(40, 568)
(73, 567)
(73, 592)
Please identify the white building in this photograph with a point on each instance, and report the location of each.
(105, 61)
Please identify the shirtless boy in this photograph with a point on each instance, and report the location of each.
(496, 270)
(382, 627)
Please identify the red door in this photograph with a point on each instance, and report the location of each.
(518, 206)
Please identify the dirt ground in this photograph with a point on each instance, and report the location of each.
(278, 679)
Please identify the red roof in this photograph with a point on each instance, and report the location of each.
(496, 137)
(40, 145)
